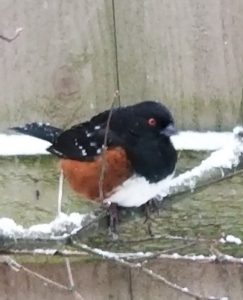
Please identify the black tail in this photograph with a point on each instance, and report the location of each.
(40, 130)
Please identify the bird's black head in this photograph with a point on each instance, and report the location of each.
(152, 118)
(145, 128)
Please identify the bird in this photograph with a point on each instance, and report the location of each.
(124, 142)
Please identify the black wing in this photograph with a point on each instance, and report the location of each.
(84, 141)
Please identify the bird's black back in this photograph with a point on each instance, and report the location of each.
(151, 154)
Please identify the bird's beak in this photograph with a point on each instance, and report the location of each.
(169, 130)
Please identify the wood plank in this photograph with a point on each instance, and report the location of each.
(188, 53)
(97, 280)
(61, 68)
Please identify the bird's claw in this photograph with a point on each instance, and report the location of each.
(113, 219)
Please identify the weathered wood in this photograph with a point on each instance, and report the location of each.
(187, 221)
(29, 188)
(97, 280)
(188, 53)
(62, 67)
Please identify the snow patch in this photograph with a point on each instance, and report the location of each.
(137, 190)
(22, 145)
(17, 144)
(202, 141)
(9, 228)
(63, 224)
(231, 239)
(45, 251)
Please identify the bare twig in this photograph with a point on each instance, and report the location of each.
(70, 275)
(166, 236)
(149, 272)
(18, 267)
(76, 294)
(44, 252)
(133, 256)
(12, 38)
(104, 148)
(10, 262)
(45, 279)
(60, 192)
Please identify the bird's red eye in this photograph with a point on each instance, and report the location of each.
(152, 122)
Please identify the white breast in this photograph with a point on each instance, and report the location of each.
(136, 191)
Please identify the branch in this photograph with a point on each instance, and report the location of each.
(18, 267)
(220, 165)
(76, 294)
(113, 257)
(12, 38)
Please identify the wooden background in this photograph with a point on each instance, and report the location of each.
(73, 55)
(97, 280)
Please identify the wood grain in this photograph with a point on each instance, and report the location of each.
(62, 67)
(188, 53)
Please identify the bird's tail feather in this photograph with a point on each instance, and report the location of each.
(42, 131)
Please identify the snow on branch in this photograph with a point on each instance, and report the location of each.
(16, 144)
(149, 272)
(218, 166)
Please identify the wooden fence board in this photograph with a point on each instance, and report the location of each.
(61, 68)
(188, 53)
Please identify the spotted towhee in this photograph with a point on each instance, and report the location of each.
(137, 142)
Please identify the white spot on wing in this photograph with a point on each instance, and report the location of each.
(57, 152)
(98, 151)
(97, 127)
(84, 153)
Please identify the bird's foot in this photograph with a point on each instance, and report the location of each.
(154, 204)
(113, 220)
(151, 206)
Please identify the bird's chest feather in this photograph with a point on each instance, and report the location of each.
(84, 176)
(154, 159)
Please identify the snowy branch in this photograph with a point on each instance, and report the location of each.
(220, 165)
(113, 257)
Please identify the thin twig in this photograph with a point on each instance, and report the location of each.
(133, 256)
(60, 193)
(165, 236)
(112, 257)
(18, 267)
(104, 148)
(70, 275)
(45, 279)
(76, 294)
(12, 38)
(43, 252)
(10, 262)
